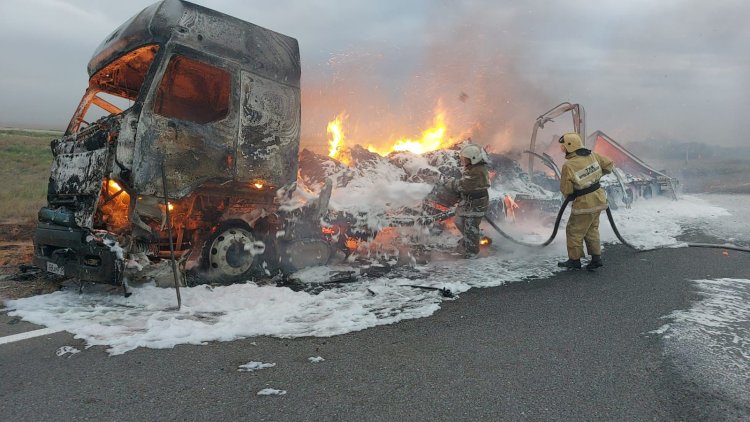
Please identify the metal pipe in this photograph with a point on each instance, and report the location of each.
(169, 233)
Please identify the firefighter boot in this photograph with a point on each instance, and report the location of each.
(596, 262)
(573, 264)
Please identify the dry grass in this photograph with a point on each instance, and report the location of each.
(26, 159)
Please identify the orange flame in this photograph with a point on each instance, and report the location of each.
(114, 206)
(336, 148)
(432, 139)
(114, 186)
(352, 243)
(485, 241)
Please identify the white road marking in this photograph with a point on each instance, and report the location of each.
(28, 335)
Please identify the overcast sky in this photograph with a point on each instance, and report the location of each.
(643, 69)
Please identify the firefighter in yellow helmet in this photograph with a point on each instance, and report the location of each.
(472, 187)
(580, 177)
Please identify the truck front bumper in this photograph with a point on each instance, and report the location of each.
(74, 252)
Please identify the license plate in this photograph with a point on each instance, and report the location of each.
(55, 269)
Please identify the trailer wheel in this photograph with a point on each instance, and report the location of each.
(232, 252)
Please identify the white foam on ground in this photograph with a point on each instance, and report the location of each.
(710, 342)
(62, 351)
(659, 221)
(734, 228)
(271, 392)
(254, 366)
(148, 318)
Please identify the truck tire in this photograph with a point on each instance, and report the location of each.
(231, 253)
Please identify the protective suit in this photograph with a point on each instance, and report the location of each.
(472, 188)
(580, 176)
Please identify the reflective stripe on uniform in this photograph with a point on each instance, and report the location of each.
(576, 211)
(588, 175)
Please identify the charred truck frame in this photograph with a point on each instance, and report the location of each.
(210, 102)
(632, 177)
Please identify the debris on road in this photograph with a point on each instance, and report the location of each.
(254, 366)
(271, 392)
(67, 350)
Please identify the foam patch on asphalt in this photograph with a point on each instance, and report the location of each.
(710, 342)
(659, 221)
(148, 317)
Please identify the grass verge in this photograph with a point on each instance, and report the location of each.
(26, 159)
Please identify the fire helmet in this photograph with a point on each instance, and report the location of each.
(473, 153)
(571, 141)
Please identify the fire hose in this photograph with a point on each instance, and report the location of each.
(614, 228)
(447, 293)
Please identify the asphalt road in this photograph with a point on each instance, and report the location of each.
(571, 347)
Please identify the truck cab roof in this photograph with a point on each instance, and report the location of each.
(258, 50)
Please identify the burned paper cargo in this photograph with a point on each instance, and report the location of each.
(403, 189)
(379, 191)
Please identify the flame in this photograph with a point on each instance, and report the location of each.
(438, 206)
(432, 139)
(485, 241)
(114, 207)
(352, 243)
(258, 184)
(336, 148)
(114, 187)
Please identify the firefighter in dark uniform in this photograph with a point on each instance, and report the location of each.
(580, 177)
(472, 188)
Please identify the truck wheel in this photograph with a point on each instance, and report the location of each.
(231, 253)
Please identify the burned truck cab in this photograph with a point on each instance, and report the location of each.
(189, 113)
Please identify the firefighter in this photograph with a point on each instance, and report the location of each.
(580, 177)
(472, 188)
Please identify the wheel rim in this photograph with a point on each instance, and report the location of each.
(228, 255)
